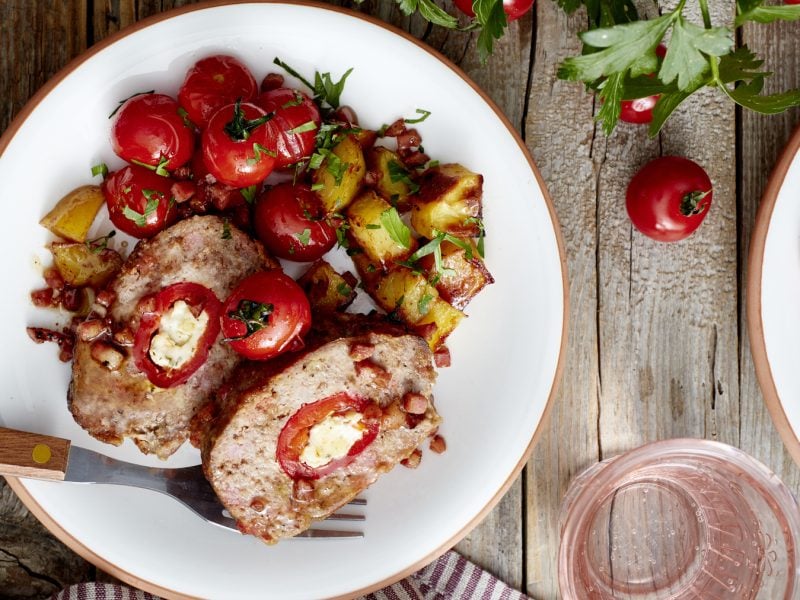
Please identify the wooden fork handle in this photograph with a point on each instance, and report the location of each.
(24, 454)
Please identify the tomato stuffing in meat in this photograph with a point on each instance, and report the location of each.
(668, 198)
(291, 223)
(149, 130)
(326, 435)
(212, 83)
(139, 201)
(294, 127)
(177, 328)
(267, 314)
(236, 145)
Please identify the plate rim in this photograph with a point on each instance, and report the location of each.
(120, 573)
(755, 323)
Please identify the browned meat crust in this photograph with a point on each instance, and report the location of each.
(239, 438)
(112, 404)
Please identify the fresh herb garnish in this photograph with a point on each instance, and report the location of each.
(397, 173)
(249, 193)
(336, 167)
(298, 100)
(121, 102)
(307, 126)
(304, 237)
(254, 315)
(394, 226)
(327, 92)
(185, 116)
(425, 114)
(373, 226)
(226, 230)
(344, 290)
(258, 152)
(100, 169)
(99, 244)
(160, 168)
(153, 198)
(423, 305)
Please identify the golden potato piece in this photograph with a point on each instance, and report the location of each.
(328, 290)
(449, 201)
(74, 214)
(338, 179)
(408, 297)
(463, 275)
(394, 183)
(376, 228)
(81, 264)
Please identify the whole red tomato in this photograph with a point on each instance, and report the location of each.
(640, 111)
(236, 145)
(212, 83)
(165, 373)
(294, 126)
(149, 130)
(290, 222)
(265, 315)
(293, 438)
(669, 198)
(139, 202)
(514, 9)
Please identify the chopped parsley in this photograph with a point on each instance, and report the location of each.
(254, 315)
(307, 126)
(344, 290)
(394, 226)
(153, 198)
(327, 92)
(304, 237)
(160, 168)
(226, 230)
(258, 152)
(100, 169)
(249, 193)
(121, 102)
(397, 173)
(425, 114)
(423, 306)
(99, 244)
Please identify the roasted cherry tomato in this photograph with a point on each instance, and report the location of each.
(296, 433)
(149, 130)
(514, 8)
(291, 223)
(266, 314)
(669, 198)
(640, 110)
(177, 328)
(236, 145)
(212, 83)
(294, 126)
(139, 201)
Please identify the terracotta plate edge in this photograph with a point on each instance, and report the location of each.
(153, 588)
(755, 324)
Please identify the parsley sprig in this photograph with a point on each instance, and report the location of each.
(619, 59)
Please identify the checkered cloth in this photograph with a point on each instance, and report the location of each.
(450, 577)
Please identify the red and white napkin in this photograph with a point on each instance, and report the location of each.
(449, 577)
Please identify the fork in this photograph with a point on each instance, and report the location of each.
(37, 456)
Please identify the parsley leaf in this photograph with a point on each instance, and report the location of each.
(752, 10)
(397, 173)
(307, 126)
(100, 169)
(249, 193)
(686, 57)
(420, 111)
(254, 315)
(304, 237)
(491, 17)
(394, 226)
(140, 219)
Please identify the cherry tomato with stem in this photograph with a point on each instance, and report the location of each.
(236, 145)
(514, 9)
(165, 371)
(668, 198)
(291, 223)
(139, 201)
(213, 82)
(265, 315)
(294, 127)
(294, 436)
(149, 130)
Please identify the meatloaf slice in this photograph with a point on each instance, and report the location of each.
(239, 445)
(108, 395)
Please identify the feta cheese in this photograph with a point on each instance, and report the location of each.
(179, 333)
(332, 438)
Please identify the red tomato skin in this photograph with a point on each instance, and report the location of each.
(290, 147)
(234, 162)
(640, 111)
(213, 82)
(193, 294)
(281, 217)
(148, 127)
(514, 9)
(292, 437)
(655, 193)
(125, 188)
(289, 321)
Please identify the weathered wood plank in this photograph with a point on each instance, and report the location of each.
(761, 140)
(560, 135)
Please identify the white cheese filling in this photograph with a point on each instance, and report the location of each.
(179, 333)
(332, 438)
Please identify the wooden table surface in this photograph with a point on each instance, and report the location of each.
(658, 345)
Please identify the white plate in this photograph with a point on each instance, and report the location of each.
(773, 294)
(506, 355)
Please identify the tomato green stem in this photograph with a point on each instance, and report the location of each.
(692, 203)
(239, 128)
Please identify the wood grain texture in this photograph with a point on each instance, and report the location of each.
(25, 454)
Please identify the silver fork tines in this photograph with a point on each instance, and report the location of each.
(188, 485)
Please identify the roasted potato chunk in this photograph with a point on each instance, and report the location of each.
(463, 274)
(407, 296)
(375, 227)
(74, 214)
(327, 290)
(369, 272)
(393, 182)
(448, 201)
(80, 264)
(340, 175)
